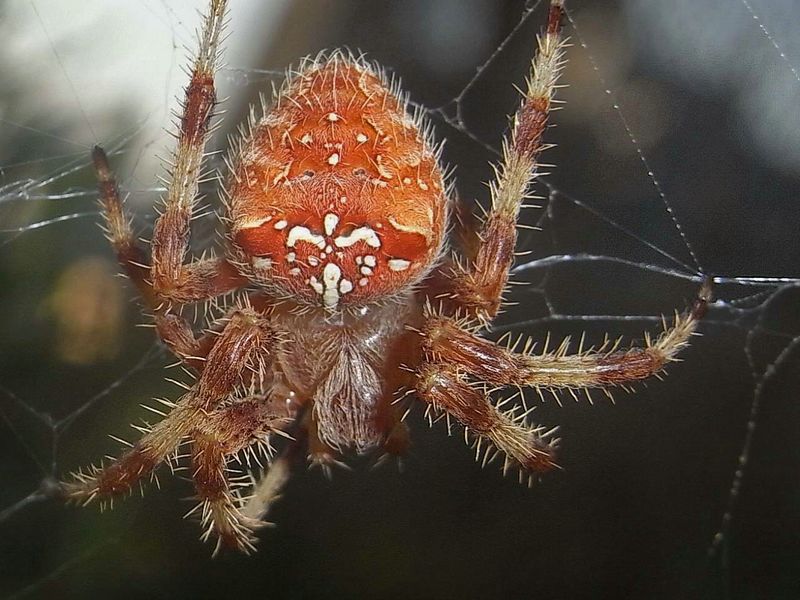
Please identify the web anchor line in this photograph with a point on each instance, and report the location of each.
(771, 39)
(634, 140)
(721, 539)
(457, 123)
(457, 102)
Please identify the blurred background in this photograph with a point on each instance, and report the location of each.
(703, 94)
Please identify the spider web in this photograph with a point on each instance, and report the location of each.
(678, 155)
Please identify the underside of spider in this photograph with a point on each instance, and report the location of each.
(350, 303)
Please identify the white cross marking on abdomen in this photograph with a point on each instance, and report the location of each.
(360, 234)
(298, 233)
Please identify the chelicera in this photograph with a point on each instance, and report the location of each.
(350, 302)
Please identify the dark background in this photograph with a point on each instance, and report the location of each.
(646, 480)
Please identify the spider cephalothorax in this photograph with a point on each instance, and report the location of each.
(348, 303)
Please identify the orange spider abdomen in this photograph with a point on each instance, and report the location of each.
(336, 195)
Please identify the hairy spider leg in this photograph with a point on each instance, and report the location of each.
(451, 352)
(478, 284)
(172, 280)
(476, 288)
(246, 425)
(118, 229)
(245, 344)
(446, 340)
(445, 388)
(203, 279)
(266, 491)
(175, 331)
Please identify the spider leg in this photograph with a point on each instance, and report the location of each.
(451, 353)
(445, 388)
(167, 279)
(244, 344)
(175, 331)
(179, 336)
(448, 341)
(245, 426)
(173, 280)
(477, 285)
(170, 280)
(267, 490)
(131, 256)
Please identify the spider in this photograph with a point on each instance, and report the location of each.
(349, 302)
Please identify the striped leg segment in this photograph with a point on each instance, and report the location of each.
(458, 366)
(479, 284)
(476, 285)
(446, 389)
(449, 341)
(243, 345)
(246, 426)
(173, 280)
